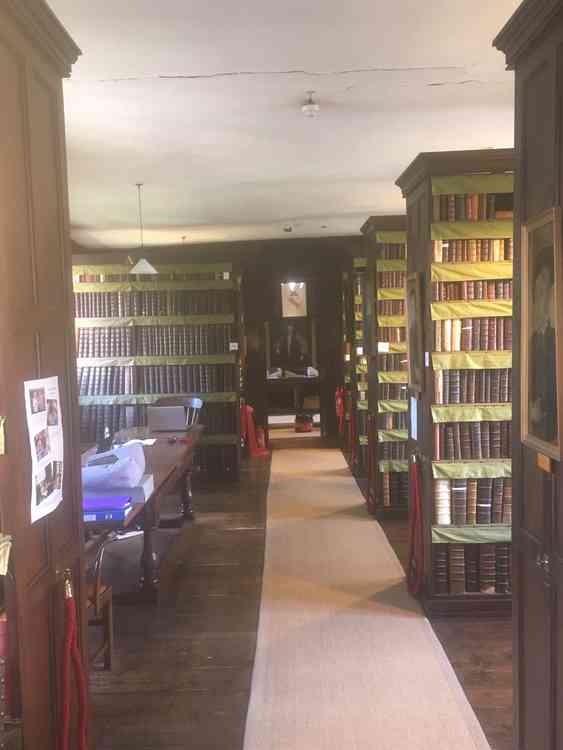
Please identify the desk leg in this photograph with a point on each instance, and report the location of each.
(149, 562)
(187, 497)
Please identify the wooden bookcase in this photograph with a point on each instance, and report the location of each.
(140, 338)
(459, 215)
(348, 333)
(386, 346)
(360, 370)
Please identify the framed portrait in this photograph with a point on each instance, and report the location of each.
(541, 325)
(294, 299)
(414, 332)
(291, 345)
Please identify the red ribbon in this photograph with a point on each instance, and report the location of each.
(416, 546)
(72, 656)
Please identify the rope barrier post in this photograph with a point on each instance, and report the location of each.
(72, 656)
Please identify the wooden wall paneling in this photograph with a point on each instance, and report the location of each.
(532, 41)
(36, 338)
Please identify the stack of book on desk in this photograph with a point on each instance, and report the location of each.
(110, 508)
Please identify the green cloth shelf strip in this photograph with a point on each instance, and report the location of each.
(473, 183)
(393, 466)
(384, 347)
(201, 359)
(363, 439)
(480, 534)
(360, 262)
(393, 376)
(140, 399)
(396, 264)
(113, 269)
(471, 360)
(392, 406)
(478, 308)
(392, 321)
(362, 405)
(391, 237)
(472, 230)
(155, 320)
(392, 436)
(501, 269)
(489, 469)
(471, 413)
(392, 293)
(158, 285)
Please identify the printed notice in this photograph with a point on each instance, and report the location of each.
(45, 428)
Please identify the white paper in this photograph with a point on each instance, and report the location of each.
(294, 299)
(413, 418)
(45, 428)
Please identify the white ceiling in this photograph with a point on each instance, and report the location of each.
(201, 101)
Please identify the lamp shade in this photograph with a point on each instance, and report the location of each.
(143, 267)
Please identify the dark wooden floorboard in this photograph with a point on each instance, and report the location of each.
(480, 650)
(183, 667)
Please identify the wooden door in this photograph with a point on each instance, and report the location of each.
(36, 340)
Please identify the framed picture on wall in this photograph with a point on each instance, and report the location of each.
(294, 299)
(291, 345)
(541, 328)
(414, 332)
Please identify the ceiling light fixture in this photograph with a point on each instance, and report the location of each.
(142, 267)
(310, 108)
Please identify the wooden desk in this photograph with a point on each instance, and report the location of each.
(170, 464)
(293, 391)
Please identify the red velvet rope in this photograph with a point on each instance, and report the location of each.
(339, 397)
(371, 464)
(416, 545)
(71, 655)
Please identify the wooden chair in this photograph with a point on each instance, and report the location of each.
(99, 610)
(184, 510)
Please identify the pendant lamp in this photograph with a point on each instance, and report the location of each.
(142, 266)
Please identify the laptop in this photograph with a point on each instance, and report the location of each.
(166, 418)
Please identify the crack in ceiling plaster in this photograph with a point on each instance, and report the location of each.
(289, 72)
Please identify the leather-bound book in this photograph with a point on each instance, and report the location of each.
(472, 567)
(507, 322)
(495, 386)
(455, 387)
(465, 430)
(507, 502)
(438, 335)
(446, 386)
(492, 338)
(475, 334)
(456, 559)
(450, 443)
(484, 338)
(495, 439)
(471, 383)
(447, 336)
(472, 501)
(440, 568)
(498, 495)
(485, 440)
(476, 440)
(484, 500)
(502, 568)
(459, 502)
(456, 335)
(442, 502)
(487, 568)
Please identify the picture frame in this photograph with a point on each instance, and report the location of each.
(301, 342)
(294, 299)
(541, 350)
(413, 304)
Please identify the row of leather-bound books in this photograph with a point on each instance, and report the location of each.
(153, 340)
(393, 421)
(392, 334)
(473, 334)
(395, 450)
(395, 488)
(472, 251)
(390, 362)
(452, 291)
(391, 307)
(471, 568)
(473, 386)
(175, 379)
(217, 419)
(163, 302)
(391, 279)
(392, 251)
(466, 441)
(163, 275)
(471, 207)
(469, 502)
(392, 391)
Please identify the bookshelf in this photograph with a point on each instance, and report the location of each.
(388, 483)
(346, 424)
(459, 216)
(139, 339)
(359, 391)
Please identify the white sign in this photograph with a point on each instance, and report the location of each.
(45, 428)
(294, 299)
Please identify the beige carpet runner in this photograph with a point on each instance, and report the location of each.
(345, 659)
